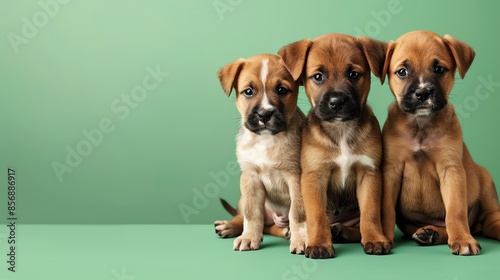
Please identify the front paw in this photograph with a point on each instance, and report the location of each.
(465, 246)
(320, 251)
(297, 245)
(381, 247)
(247, 242)
(298, 240)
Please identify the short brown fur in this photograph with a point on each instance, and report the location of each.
(321, 182)
(430, 179)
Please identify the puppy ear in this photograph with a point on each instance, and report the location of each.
(388, 55)
(294, 57)
(462, 53)
(228, 75)
(375, 54)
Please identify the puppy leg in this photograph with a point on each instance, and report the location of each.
(454, 193)
(369, 193)
(277, 231)
(491, 225)
(489, 206)
(392, 185)
(319, 245)
(253, 199)
(298, 228)
(231, 228)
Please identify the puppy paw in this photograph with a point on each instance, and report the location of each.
(425, 236)
(297, 245)
(226, 229)
(298, 239)
(319, 252)
(382, 247)
(247, 243)
(466, 246)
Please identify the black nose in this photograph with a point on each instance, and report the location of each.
(265, 115)
(336, 102)
(422, 94)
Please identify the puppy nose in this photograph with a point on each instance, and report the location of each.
(336, 102)
(422, 94)
(265, 115)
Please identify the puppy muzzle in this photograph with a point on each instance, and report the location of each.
(337, 106)
(262, 121)
(423, 100)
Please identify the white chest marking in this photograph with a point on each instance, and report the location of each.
(264, 71)
(257, 153)
(346, 159)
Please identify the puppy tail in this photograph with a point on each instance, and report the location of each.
(228, 207)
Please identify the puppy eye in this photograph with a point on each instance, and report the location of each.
(318, 77)
(402, 73)
(439, 70)
(282, 90)
(353, 75)
(247, 92)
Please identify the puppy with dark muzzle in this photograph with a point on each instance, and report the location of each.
(341, 143)
(268, 152)
(432, 187)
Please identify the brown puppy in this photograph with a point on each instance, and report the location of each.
(341, 143)
(442, 192)
(268, 150)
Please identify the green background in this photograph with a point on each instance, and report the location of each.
(159, 158)
(75, 72)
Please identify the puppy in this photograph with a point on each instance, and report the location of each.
(267, 148)
(341, 143)
(429, 175)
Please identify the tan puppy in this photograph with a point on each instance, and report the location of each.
(268, 149)
(441, 191)
(341, 143)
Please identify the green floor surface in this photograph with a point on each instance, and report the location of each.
(147, 252)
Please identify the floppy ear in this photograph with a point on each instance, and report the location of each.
(462, 53)
(388, 55)
(294, 57)
(228, 75)
(375, 54)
